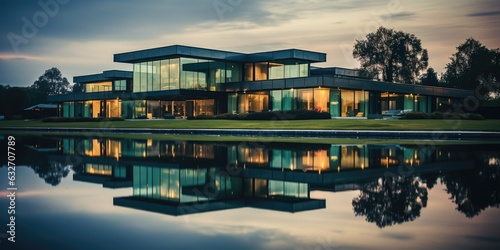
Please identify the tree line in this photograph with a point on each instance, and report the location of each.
(13, 100)
(395, 56)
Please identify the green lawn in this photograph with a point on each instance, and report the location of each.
(427, 125)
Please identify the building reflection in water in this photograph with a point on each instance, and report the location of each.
(179, 177)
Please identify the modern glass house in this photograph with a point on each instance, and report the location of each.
(186, 81)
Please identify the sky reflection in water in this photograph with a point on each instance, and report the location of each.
(449, 201)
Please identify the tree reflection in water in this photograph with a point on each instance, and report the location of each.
(476, 189)
(51, 171)
(391, 200)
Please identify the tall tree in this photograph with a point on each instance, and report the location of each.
(51, 83)
(397, 55)
(471, 65)
(430, 78)
(77, 88)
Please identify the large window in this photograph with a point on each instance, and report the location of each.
(120, 85)
(305, 99)
(153, 109)
(391, 101)
(276, 71)
(232, 103)
(174, 73)
(261, 71)
(189, 77)
(354, 103)
(137, 78)
(204, 107)
(144, 77)
(292, 70)
(421, 104)
(249, 69)
(289, 99)
(98, 87)
(276, 100)
(288, 189)
(335, 110)
(233, 72)
(409, 103)
(254, 102)
(113, 108)
(321, 99)
(156, 75)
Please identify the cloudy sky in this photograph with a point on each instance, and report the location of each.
(80, 37)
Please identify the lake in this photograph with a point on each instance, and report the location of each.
(114, 193)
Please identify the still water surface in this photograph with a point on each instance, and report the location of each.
(101, 193)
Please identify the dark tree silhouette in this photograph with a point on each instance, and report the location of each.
(391, 200)
(50, 83)
(471, 63)
(397, 55)
(430, 78)
(13, 100)
(78, 88)
(475, 190)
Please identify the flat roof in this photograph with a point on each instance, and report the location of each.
(107, 75)
(174, 51)
(42, 106)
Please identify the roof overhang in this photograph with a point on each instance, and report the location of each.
(176, 51)
(108, 75)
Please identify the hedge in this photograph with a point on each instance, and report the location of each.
(81, 119)
(440, 115)
(268, 115)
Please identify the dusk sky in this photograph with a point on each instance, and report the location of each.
(80, 37)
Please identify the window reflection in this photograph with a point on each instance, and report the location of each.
(325, 158)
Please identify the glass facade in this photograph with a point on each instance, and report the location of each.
(185, 73)
(275, 70)
(337, 102)
(177, 185)
(407, 102)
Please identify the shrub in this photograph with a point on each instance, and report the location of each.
(456, 116)
(200, 117)
(288, 115)
(81, 119)
(415, 115)
(269, 115)
(476, 117)
(436, 115)
(452, 116)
